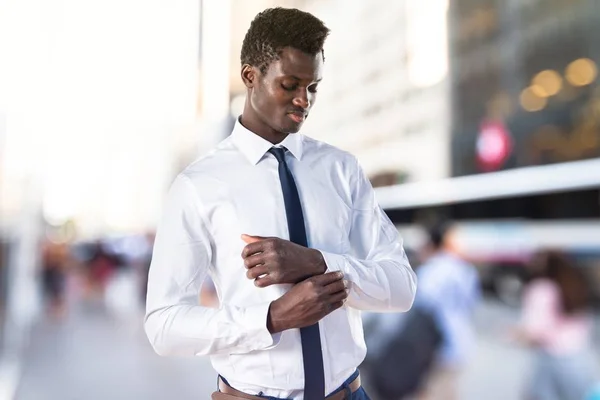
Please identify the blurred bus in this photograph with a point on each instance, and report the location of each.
(503, 218)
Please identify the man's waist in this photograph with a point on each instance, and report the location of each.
(341, 392)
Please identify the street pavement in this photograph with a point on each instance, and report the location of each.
(96, 354)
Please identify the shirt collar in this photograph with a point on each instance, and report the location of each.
(254, 147)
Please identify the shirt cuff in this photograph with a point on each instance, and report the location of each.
(334, 262)
(255, 320)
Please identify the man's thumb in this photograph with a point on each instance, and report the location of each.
(251, 239)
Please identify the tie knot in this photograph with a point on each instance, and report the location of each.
(279, 153)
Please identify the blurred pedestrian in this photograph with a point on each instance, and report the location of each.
(288, 323)
(54, 262)
(101, 266)
(449, 288)
(557, 323)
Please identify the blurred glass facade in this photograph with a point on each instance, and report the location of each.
(530, 67)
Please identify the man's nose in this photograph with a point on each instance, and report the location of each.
(301, 100)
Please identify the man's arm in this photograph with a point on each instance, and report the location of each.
(378, 273)
(175, 322)
(380, 276)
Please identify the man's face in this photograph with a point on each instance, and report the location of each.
(283, 96)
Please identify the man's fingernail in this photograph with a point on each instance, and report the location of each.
(340, 275)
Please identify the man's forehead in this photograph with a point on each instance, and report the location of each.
(296, 63)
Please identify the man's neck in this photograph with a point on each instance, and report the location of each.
(264, 131)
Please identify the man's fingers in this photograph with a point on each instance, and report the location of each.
(252, 248)
(336, 286)
(255, 244)
(336, 305)
(327, 278)
(264, 281)
(252, 239)
(254, 260)
(257, 271)
(339, 296)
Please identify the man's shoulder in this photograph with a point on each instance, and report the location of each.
(320, 148)
(208, 164)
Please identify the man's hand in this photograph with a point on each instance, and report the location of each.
(271, 260)
(308, 302)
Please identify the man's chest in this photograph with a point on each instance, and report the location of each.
(252, 202)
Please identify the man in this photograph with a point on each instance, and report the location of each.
(289, 231)
(449, 288)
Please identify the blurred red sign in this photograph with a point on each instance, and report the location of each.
(493, 146)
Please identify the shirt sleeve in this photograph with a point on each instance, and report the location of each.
(380, 276)
(175, 322)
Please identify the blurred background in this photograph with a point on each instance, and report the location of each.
(485, 113)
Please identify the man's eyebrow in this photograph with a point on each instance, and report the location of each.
(299, 79)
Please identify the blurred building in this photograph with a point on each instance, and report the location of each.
(524, 83)
(525, 139)
(525, 90)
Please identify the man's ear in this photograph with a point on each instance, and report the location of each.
(249, 75)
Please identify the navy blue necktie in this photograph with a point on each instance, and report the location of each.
(314, 374)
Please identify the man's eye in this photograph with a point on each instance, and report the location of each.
(289, 88)
(313, 89)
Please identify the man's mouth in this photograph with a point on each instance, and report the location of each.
(297, 117)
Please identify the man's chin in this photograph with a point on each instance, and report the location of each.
(292, 128)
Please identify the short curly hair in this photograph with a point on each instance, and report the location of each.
(276, 28)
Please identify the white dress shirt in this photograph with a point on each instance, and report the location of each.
(235, 189)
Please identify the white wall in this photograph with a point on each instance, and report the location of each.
(96, 94)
